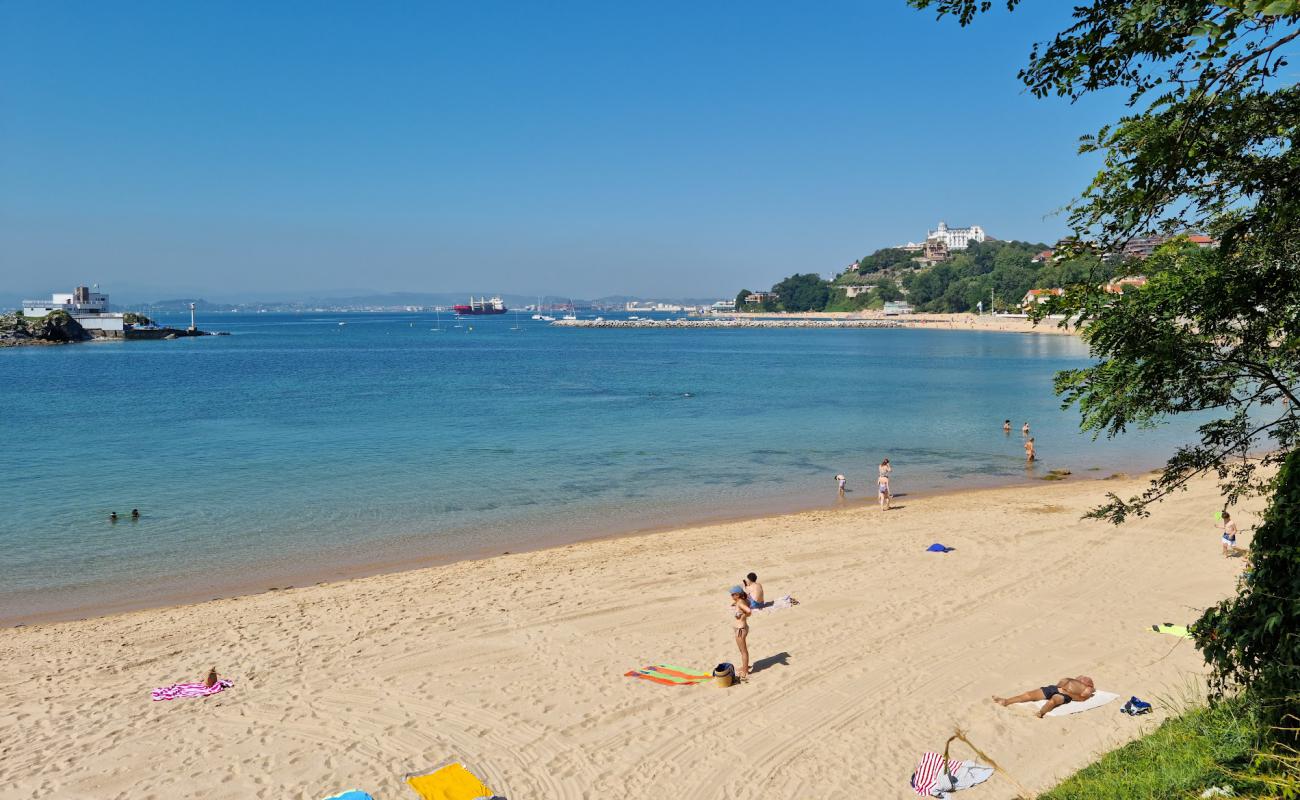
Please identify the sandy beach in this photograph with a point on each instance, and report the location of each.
(944, 322)
(515, 663)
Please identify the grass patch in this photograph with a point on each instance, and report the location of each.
(1183, 757)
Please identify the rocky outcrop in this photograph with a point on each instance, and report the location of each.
(57, 328)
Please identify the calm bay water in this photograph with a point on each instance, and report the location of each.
(298, 446)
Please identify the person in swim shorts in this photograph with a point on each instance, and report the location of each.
(882, 488)
(1066, 690)
(1229, 539)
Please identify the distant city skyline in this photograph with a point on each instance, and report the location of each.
(244, 152)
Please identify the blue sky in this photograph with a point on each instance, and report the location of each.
(250, 150)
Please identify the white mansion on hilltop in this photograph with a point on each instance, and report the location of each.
(942, 240)
(955, 238)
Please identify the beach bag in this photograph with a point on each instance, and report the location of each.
(724, 675)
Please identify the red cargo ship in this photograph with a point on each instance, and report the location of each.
(481, 306)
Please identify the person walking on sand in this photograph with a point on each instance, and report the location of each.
(1030, 455)
(1229, 536)
(882, 490)
(1024, 429)
(1065, 691)
(840, 480)
(740, 623)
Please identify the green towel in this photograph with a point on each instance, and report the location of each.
(1172, 630)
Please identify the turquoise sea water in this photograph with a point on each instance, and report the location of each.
(301, 447)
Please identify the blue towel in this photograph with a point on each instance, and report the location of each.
(939, 548)
(352, 795)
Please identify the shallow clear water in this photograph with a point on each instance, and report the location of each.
(300, 446)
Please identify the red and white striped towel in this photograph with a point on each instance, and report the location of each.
(927, 772)
(179, 690)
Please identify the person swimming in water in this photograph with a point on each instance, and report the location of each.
(1030, 455)
(1024, 429)
(112, 516)
(1006, 426)
(135, 513)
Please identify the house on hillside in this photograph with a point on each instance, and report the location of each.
(1141, 247)
(1131, 282)
(760, 297)
(1042, 257)
(1036, 297)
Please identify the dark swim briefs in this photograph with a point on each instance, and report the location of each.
(1050, 691)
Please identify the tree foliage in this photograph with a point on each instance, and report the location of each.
(884, 259)
(1005, 269)
(1208, 146)
(1253, 639)
(803, 292)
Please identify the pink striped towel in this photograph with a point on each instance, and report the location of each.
(927, 772)
(179, 690)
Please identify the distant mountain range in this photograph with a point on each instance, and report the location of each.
(398, 300)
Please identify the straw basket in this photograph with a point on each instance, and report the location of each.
(724, 675)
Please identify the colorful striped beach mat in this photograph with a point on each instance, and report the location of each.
(669, 675)
(179, 690)
(1172, 630)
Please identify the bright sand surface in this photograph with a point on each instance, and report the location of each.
(516, 663)
(944, 322)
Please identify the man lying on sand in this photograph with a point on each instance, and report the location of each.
(1066, 690)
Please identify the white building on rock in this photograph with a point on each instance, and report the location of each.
(86, 307)
(956, 238)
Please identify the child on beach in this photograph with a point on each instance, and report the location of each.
(740, 614)
(883, 490)
(1229, 539)
(841, 480)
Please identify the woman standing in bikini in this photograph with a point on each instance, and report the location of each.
(740, 613)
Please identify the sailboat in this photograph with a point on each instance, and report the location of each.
(437, 320)
(572, 311)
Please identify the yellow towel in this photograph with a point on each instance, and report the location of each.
(452, 782)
